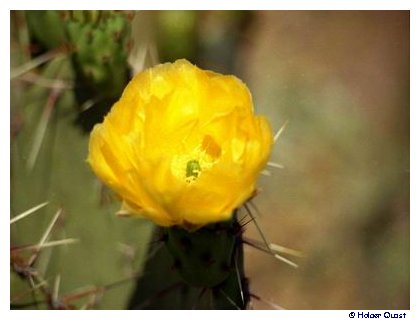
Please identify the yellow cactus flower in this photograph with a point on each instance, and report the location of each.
(182, 146)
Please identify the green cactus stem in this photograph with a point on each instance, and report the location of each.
(100, 44)
(202, 269)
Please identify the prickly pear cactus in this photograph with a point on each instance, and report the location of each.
(195, 190)
(190, 266)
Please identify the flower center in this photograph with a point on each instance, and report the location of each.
(202, 158)
(193, 169)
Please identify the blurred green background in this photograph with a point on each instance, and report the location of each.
(340, 79)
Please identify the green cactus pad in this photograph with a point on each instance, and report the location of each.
(101, 50)
(205, 257)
